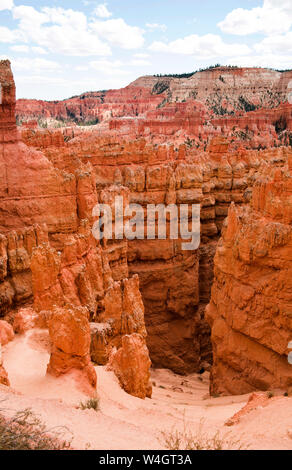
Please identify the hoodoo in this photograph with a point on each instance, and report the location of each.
(50, 260)
(8, 130)
(250, 308)
(86, 317)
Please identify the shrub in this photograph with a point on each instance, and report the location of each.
(186, 440)
(280, 124)
(92, 403)
(246, 105)
(160, 87)
(25, 431)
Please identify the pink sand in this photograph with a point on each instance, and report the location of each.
(126, 422)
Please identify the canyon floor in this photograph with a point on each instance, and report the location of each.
(82, 315)
(179, 404)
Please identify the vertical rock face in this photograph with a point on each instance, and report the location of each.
(250, 308)
(247, 105)
(131, 365)
(24, 320)
(70, 337)
(8, 132)
(3, 374)
(6, 332)
(123, 315)
(53, 273)
(50, 260)
(175, 284)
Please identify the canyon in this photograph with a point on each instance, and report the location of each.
(219, 101)
(220, 139)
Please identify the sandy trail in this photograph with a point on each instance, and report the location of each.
(126, 422)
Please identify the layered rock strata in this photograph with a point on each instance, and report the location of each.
(248, 105)
(53, 273)
(250, 308)
(131, 365)
(175, 284)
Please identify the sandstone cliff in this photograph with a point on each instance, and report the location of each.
(250, 308)
(175, 284)
(49, 261)
(51, 265)
(248, 105)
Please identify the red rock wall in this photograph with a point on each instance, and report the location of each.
(175, 284)
(7, 104)
(249, 106)
(250, 308)
(50, 260)
(58, 179)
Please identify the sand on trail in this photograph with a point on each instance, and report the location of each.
(126, 422)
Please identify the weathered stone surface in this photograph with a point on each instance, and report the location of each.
(256, 400)
(123, 315)
(6, 332)
(3, 374)
(131, 364)
(220, 101)
(175, 284)
(8, 132)
(250, 308)
(25, 319)
(188, 153)
(70, 337)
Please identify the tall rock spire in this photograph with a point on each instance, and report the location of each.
(8, 131)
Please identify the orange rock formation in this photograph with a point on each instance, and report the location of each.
(247, 105)
(250, 308)
(131, 365)
(53, 272)
(3, 374)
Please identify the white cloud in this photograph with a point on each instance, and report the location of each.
(42, 80)
(7, 35)
(102, 12)
(71, 42)
(62, 17)
(118, 33)
(29, 17)
(140, 62)
(39, 50)
(263, 60)
(276, 45)
(141, 55)
(207, 46)
(275, 16)
(60, 31)
(6, 5)
(115, 67)
(81, 68)
(37, 64)
(20, 48)
(68, 32)
(108, 67)
(156, 26)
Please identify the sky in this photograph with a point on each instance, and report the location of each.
(62, 48)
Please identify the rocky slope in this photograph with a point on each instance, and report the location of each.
(250, 308)
(175, 284)
(49, 261)
(247, 105)
(51, 265)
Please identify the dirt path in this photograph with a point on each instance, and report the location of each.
(126, 422)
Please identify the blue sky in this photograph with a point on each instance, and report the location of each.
(62, 48)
